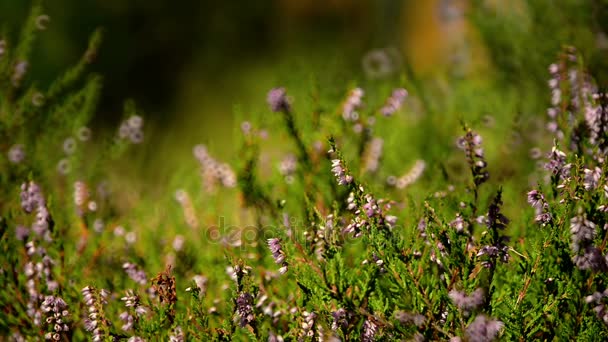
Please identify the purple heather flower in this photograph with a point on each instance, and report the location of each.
(394, 102)
(592, 178)
(135, 273)
(557, 163)
(373, 152)
(582, 230)
(93, 299)
(31, 197)
(244, 307)
(56, 311)
(483, 329)
(277, 99)
(467, 303)
(470, 143)
(2, 47)
(21, 233)
(370, 329)
(277, 253)
(16, 154)
(600, 308)
(341, 319)
(459, 224)
(288, 165)
(352, 104)
(308, 324)
(591, 258)
(410, 318)
(340, 172)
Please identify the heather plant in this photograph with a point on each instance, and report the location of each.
(360, 227)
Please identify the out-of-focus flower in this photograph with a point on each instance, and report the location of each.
(483, 329)
(84, 134)
(340, 172)
(135, 273)
(42, 22)
(352, 104)
(244, 307)
(373, 153)
(277, 100)
(16, 154)
(381, 63)
(19, 72)
(394, 102)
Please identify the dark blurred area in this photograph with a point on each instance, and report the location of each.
(150, 47)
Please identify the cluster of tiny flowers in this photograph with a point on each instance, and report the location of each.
(596, 117)
(308, 325)
(371, 209)
(274, 245)
(541, 208)
(288, 167)
(373, 152)
(592, 178)
(341, 319)
(177, 335)
(95, 322)
(496, 221)
(470, 143)
(182, 197)
(482, 329)
(132, 129)
(33, 200)
(35, 273)
(467, 303)
(370, 329)
(600, 309)
(380, 63)
(212, 171)
(133, 303)
(277, 100)
(135, 273)
(341, 172)
(268, 309)
(81, 197)
(244, 308)
(394, 102)
(353, 102)
(2, 47)
(408, 318)
(16, 154)
(56, 311)
(556, 93)
(459, 224)
(557, 164)
(586, 255)
(409, 177)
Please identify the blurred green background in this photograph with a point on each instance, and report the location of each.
(188, 64)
